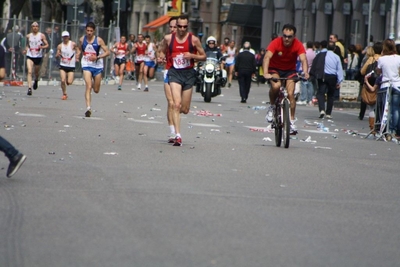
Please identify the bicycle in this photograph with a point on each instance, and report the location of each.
(281, 121)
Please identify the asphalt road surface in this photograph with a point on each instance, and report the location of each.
(110, 191)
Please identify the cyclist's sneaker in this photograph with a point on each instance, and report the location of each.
(88, 113)
(35, 85)
(301, 103)
(64, 97)
(293, 128)
(270, 114)
(177, 141)
(321, 114)
(29, 91)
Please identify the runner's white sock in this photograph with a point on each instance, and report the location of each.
(172, 129)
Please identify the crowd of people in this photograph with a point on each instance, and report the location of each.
(323, 66)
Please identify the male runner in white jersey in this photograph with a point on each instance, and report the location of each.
(69, 53)
(35, 43)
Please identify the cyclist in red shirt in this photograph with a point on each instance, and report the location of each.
(280, 61)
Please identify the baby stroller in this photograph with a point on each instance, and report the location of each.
(129, 70)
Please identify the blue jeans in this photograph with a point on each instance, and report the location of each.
(306, 91)
(395, 112)
(8, 149)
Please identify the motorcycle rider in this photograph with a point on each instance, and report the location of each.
(211, 47)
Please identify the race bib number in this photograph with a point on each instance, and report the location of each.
(35, 51)
(180, 62)
(65, 60)
(87, 56)
(139, 57)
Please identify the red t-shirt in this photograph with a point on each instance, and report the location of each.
(285, 58)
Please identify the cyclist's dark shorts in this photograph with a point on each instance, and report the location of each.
(186, 78)
(283, 73)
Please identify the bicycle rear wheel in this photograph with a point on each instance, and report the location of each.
(286, 123)
(278, 126)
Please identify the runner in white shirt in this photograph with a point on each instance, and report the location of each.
(69, 54)
(35, 43)
(149, 61)
(230, 61)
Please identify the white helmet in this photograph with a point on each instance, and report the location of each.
(211, 38)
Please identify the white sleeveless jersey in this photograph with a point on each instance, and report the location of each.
(35, 41)
(67, 55)
(88, 50)
(231, 55)
(150, 53)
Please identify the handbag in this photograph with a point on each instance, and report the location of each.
(367, 96)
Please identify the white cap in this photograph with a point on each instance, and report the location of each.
(65, 33)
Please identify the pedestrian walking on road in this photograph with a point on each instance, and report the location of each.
(328, 71)
(245, 69)
(69, 54)
(14, 156)
(92, 62)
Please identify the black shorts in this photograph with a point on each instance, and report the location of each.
(186, 77)
(119, 61)
(67, 69)
(36, 60)
(283, 73)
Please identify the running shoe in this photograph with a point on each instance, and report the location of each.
(64, 97)
(171, 140)
(15, 164)
(270, 114)
(321, 114)
(293, 128)
(177, 141)
(29, 91)
(88, 113)
(328, 116)
(146, 89)
(119, 87)
(35, 85)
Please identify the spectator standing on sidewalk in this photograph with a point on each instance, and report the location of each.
(306, 87)
(15, 157)
(245, 68)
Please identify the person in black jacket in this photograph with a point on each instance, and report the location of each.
(245, 68)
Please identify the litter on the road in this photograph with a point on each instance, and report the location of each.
(267, 139)
(308, 140)
(322, 147)
(110, 153)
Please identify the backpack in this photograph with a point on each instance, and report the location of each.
(318, 66)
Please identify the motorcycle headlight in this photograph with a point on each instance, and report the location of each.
(209, 68)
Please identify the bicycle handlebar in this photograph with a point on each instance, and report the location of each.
(295, 78)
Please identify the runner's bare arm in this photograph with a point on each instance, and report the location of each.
(162, 48)
(106, 51)
(201, 55)
(44, 40)
(58, 53)
(77, 51)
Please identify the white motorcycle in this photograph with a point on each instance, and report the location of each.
(210, 77)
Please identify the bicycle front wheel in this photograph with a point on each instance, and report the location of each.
(278, 126)
(286, 122)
